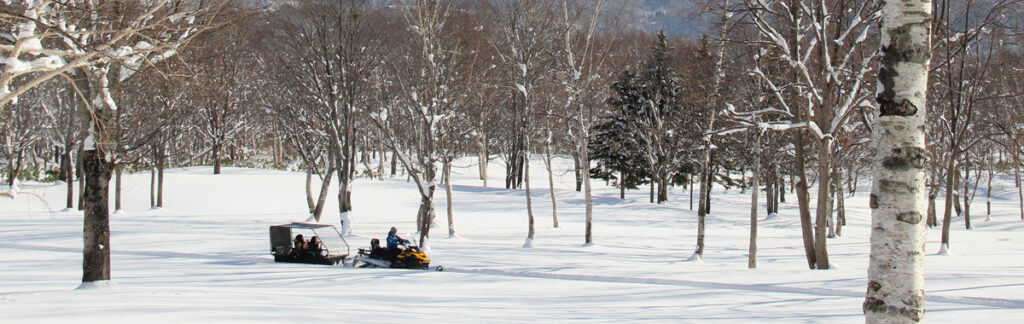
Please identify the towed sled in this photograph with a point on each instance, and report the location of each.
(407, 256)
(333, 248)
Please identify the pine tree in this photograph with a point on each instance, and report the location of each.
(642, 128)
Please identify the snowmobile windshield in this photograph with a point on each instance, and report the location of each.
(328, 235)
(332, 240)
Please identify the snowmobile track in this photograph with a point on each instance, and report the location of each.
(976, 301)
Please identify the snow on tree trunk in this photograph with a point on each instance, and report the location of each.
(425, 216)
(895, 291)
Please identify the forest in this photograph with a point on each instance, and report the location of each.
(781, 99)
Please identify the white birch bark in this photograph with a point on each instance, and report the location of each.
(895, 291)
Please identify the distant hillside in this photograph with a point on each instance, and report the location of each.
(675, 17)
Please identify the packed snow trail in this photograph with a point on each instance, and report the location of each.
(977, 301)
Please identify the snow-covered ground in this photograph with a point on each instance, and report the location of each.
(204, 258)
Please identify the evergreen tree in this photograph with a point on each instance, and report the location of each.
(642, 130)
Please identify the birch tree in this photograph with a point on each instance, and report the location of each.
(724, 16)
(332, 51)
(423, 81)
(825, 45)
(582, 57)
(526, 35)
(895, 292)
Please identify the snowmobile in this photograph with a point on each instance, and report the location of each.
(332, 249)
(407, 256)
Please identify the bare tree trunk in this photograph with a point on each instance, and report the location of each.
(160, 166)
(322, 198)
(483, 156)
(833, 193)
(529, 200)
(988, 192)
(662, 188)
(947, 215)
(754, 187)
(654, 183)
(932, 219)
(117, 187)
(895, 292)
(587, 198)
(216, 158)
(425, 215)
(81, 176)
(576, 169)
(551, 184)
(622, 187)
(380, 157)
(956, 192)
(967, 196)
(69, 177)
(446, 174)
(309, 189)
(711, 184)
(394, 162)
(840, 210)
(96, 240)
(691, 190)
(804, 201)
(152, 186)
(1020, 189)
(702, 206)
(769, 193)
(782, 187)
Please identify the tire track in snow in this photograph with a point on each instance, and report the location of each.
(976, 301)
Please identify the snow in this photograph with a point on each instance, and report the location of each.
(205, 258)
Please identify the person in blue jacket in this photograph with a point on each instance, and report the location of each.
(394, 240)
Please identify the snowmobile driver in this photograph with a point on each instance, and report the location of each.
(394, 240)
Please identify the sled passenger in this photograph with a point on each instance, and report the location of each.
(300, 244)
(314, 245)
